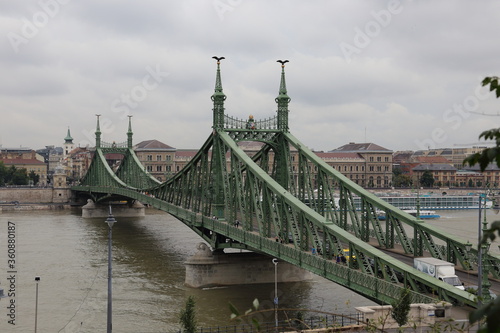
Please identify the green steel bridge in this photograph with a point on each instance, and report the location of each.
(310, 207)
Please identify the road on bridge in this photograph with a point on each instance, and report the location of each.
(469, 278)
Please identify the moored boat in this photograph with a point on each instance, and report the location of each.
(423, 214)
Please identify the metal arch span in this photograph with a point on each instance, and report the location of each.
(222, 181)
(288, 202)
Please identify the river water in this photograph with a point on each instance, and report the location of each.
(70, 256)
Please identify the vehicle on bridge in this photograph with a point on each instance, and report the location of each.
(440, 269)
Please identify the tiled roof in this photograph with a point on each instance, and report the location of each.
(20, 161)
(152, 145)
(338, 155)
(362, 147)
(434, 167)
(431, 159)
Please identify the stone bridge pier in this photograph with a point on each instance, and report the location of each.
(208, 269)
(91, 209)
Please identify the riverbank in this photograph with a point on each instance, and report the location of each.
(33, 206)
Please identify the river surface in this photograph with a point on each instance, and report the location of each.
(70, 255)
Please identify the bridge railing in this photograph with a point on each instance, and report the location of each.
(236, 123)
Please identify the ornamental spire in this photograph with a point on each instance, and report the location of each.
(129, 132)
(98, 133)
(282, 100)
(218, 98)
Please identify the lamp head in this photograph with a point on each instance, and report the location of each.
(468, 246)
(111, 219)
(37, 278)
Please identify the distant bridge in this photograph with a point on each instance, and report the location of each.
(222, 184)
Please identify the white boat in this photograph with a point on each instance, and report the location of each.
(423, 214)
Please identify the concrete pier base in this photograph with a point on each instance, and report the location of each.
(205, 269)
(91, 210)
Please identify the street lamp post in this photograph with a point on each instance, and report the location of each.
(483, 286)
(485, 282)
(37, 279)
(275, 262)
(110, 221)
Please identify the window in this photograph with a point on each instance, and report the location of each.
(372, 168)
(169, 168)
(371, 158)
(149, 158)
(149, 168)
(158, 158)
(386, 159)
(168, 157)
(379, 159)
(158, 168)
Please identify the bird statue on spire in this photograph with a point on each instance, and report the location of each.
(218, 59)
(282, 62)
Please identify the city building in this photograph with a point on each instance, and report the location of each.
(444, 174)
(157, 158)
(351, 165)
(377, 163)
(30, 164)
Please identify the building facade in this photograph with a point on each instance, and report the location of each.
(377, 163)
(158, 158)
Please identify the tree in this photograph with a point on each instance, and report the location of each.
(490, 310)
(488, 155)
(401, 308)
(34, 177)
(427, 179)
(403, 181)
(20, 177)
(3, 173)
(187, 316)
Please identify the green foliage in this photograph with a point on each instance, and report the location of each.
(493, 82)
(34, 177)
(488, 155)
(427, 179)
(20, 177)
(235, 314)
(402, 180)
(3, 173)
(187, 316)
(13, 176)
(401, 307)
(488, 312)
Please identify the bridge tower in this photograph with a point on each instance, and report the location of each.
(129, 133)
(218, 158)
(98, 133)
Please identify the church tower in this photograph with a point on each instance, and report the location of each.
(68, 144)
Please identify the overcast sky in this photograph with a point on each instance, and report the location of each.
(401, 74)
